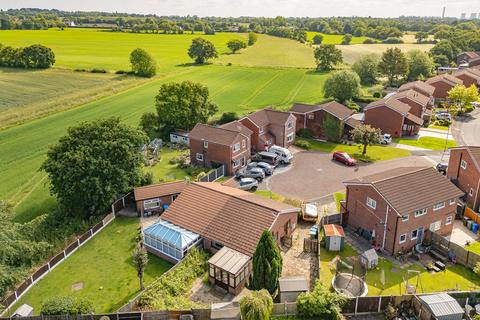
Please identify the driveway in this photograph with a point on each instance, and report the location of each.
(465, 129)
(313, 175)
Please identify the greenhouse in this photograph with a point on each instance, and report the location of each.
(165, 238)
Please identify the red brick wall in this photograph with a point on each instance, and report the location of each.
(385, 119)
(441, 89)
(254, 138)
(165, 200)
(467, 80)
(300, 123)
(278, 228)
(466, 179)
(415, 108)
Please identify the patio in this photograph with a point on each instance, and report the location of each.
(461, 234)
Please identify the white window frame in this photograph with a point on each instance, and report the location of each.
(199, 157)
(236, 162)
(439, 206)
(205, 144)
(260, 130)
(470, 193)
(420, 213)
(244, 143)
(289, 125)
(371, 203)
(463, 164)
(411, 235)
(453, 201)
(311, 116)
(404, 240)
(152, 201)
(449, 220)
(407, 217)
(290, 137)
(434, 226)
(236, 147)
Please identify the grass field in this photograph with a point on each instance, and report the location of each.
(428, 143)
(104, 267)
(334, 38)
(351, 53)
(26, 95)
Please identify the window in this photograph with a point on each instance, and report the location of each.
(371, 203)
(205, 144)
(453, 201)
(199, 157)
(217, 245)
(414, 234)
(463, 164)
(151, 204)
(289, 125)
(311, 116)
(290, 137)
(244, 144)
(260, 130)
(236, 163)
(470, 193)
(439, 206)
(403, 238)
(420, 213)
(236, 147)
(448, 221)
(405, 217)
(435, 226)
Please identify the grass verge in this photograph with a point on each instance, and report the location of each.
(431, 143)
(339, 196)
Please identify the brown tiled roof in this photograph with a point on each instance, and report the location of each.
(217, 135)
(159, 190)
(338, 110)
(410, 189)
(268, 116)
(414, 96)
(471, 54)
(414, 118)
(304, 108)
(474, 152)
(472, 73)
(352, 122)
(394, 104)
(425, 87)
(233, 217)
(447, 78)
(237, 126)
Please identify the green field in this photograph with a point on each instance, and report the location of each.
(334, 38)
(353, 52)
(103, 266)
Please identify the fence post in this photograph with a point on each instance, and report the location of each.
(379, 304)
(356, 305)
(113, 210)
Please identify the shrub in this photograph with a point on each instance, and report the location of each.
(321, 304)
(95, 70)
(370, 41)
(67, 306)
(442, 122)
(228, 117)
(392, 41)
(304, 133)
(257, 305)
(302, 144)
(353, 106)
(121, 72)
(377, 94)
(476, 269)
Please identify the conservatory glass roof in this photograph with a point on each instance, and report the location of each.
(170, 233)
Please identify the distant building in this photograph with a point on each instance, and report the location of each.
(473, 16)
(463, 16)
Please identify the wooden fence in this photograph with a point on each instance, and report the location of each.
(41, 272)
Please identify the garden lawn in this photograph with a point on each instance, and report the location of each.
(433, 126)
(239, 89)
(339, 196)
(104, 267)
(334, 38)
(432, 143)
(456, 277)
(164, 171)
(474, 247)
(374, 153)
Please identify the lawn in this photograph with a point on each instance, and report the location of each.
(434, 126)
(456, 277)
(351, 53)
(104, 267)
(339, 196)
(474, 247)
(26, 95)
(374, 153)
(432, 143)
(334, 38)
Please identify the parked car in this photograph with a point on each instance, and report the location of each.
(344, 158)
(442, 115)
(268, 157)
(248, 184)
(476, 104)
(386, 139)
(255, 173)
(267, 168)
(284, 154)
(442, 167)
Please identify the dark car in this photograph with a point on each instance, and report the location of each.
(344, 158)
(268, 157)
(267, 168)
(442, 167)
(255, 173)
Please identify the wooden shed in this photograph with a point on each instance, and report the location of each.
(291, 287)
(334, 237)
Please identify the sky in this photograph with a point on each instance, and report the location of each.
(266, 8)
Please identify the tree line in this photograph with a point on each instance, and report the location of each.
(32, 57)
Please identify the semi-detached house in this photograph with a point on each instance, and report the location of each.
(397, 206)
(420, 105)
(443, 83)
(418, 86)
(469, 77)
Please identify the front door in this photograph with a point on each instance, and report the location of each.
(420, 235)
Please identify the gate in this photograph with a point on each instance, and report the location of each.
(310, 245)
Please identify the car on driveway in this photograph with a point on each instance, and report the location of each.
(285, 156)
(267, 168)
(268, 157)
(344, 158)
(442, 167)
(442, 115)
(255, 173)
(248, 184)
(386, 139)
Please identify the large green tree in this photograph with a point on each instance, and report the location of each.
(317, 39)
(420, 65)
(202, 50)
(143, 64)
(462, 97)
(342, 85)
(367, 68)
(183, 105)
(94, 163)
(327, 56)
(267, 264)
(252, 38)
(445, 48)
(366, 136)
(38, 57)
(257, 305)
(393, 65)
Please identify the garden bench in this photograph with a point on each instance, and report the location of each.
(440, 265)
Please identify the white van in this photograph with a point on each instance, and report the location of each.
(285, 156)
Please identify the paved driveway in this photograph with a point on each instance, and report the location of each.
(465, 129)
(313, 175)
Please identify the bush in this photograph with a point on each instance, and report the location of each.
(442, 122)
(365, 99)
(476, 269)
(377, 94)
(67, 306)
(95, 70)
(353, 106)
(121, 72)
(392, 41)
(228, 117)
(321, 304)
(80, 70)
(257, 305)
(302, 144)
(304, 133)
(370, 41)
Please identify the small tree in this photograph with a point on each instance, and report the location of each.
(327, 56)
(347, 39)
(317, 39)
(394, 65)
(202, 50)
(421, 36)
(142, 63)
(227, 117)
(267, 264)
(332, 129)
(342, 86)
(463, 97)
(140, 261)
(252, 38)
(420, 65)
(38, 57)
(366, 136)
(235, 45)
(320, 303)
(367, 68)
(257, 305)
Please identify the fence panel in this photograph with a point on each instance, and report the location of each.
(55, 260)
(74, 245)
(40, 272)
(368, 304)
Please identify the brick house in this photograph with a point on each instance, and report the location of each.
(395, 207)
(227, 145)
(153, 197)
(466, 57)
(468, 76)
(443, 83)
(392, 116)
(312, 117)
(270, 127)
(464, 171)
(226, 221)
(420, 87)
(420, 105)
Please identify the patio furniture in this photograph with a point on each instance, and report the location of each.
(435, 268)
(440, 265)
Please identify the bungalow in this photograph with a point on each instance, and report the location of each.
(395, 207)
(468, 76)
(392, 116)
(270, 127)
(418, 86)
(225, 221)
(443, 83)
(228, 145)
(464, 171)
(312, 117)
(154, 197)
(420, 105)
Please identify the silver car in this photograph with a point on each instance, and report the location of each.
(255, 173)
(248, 184)
(267, 168)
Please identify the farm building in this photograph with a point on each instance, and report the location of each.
(334, 237)
(442, 306)
(291, 287)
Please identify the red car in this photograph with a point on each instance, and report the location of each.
(344, 158)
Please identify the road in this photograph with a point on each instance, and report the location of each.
(466, 129)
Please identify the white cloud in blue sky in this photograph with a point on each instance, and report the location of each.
(235, 8)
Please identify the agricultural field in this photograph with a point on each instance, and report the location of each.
(334, 38)
(351, 53)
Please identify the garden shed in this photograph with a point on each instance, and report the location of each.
(169, 241)
(23, 311)
(369, 259)
(291, 287)
(334, 237)
(442, 306)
